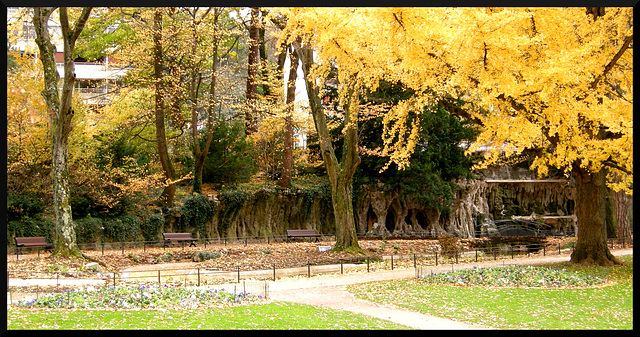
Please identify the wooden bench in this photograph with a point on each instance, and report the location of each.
(178, 237)
(32, 241)
(301, 233)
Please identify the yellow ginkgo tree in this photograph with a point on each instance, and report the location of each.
(557, 82)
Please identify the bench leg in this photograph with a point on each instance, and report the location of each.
(192, 244)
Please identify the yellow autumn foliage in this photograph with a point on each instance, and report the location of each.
(553, 79)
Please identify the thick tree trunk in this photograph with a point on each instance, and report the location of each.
(340, 174)
(60, 117)
(591, 193)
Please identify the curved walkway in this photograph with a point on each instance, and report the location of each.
(331, 292)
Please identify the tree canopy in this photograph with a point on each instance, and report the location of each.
(557, 80)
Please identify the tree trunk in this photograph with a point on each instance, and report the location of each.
(252, 73)
(166, 198)
(623, 227)
(340, 174)
(287, 165)
(60, 117)
(264, 70)
(201, 154)
(591, 193)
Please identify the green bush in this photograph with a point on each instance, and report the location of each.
(21, 205)
(196, 212)
(88, 229)
(151, 227)
(230, 157)
(122, 228)
(28, 226)
(203, 256)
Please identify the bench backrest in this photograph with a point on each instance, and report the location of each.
(31, 240)
(176, 236)
(301, 232)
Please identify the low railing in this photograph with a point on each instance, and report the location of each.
(244, 240)
(215, 274)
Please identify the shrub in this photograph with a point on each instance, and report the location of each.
(196, 212)
(21, 205)
(122, 228)
(88, 229)
(28, 226)
(203, 256)
(151, 227)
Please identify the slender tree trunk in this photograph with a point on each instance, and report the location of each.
(166, 198)
(285, 179)
(340, 174)
(252, 73)
(199, 154)
(591, 193)
(60, 118)
(262, 47)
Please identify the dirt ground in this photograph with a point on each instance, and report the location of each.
(250, 256)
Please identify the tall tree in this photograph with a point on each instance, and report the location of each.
(340, 172)
(60, 116)
(555, 81)
(215, 37)
(166, 198)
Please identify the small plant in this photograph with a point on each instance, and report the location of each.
(265, 251)
(57, 268)
(202, 256)
(167, 257)
(133, 258)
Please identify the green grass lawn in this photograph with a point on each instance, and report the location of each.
(277, 315)
(600, 307)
